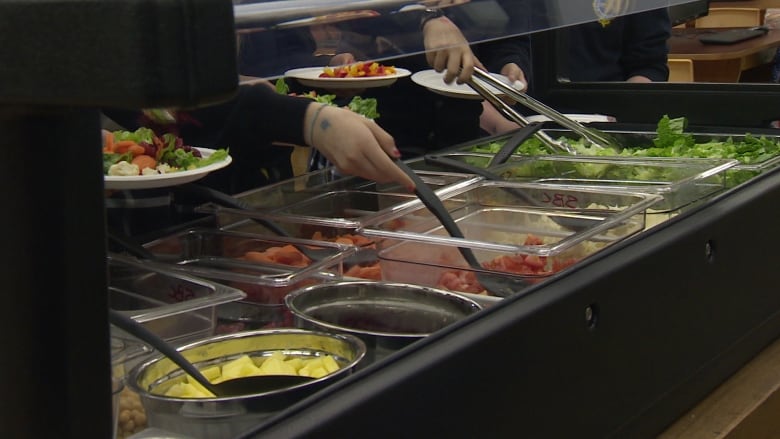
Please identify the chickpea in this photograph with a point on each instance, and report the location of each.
(132, 416)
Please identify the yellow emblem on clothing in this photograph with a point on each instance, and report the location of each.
(606, 10)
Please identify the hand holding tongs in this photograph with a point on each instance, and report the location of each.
(591, 135)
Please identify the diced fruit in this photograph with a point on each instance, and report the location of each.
(275, 364)
(186, 390)
(212, 373)
(295, 363)
(240, 367)
(330, 364)
(198, 389)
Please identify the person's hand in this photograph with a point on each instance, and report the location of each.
(639, 79)
(343, 59)
(354, 144)
(493, 122)
(514, 73)
(447, 48)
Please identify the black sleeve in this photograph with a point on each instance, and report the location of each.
(259, 115)
(256, 116)
(646, 48)
(496, 54)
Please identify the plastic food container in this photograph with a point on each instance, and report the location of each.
(265, 268)
(529, 237)
(680, 181)
(386, 316)
(228, 417)
(338, 215)
(644, 139)
(176, 306)
(125, 353)
(321, 201)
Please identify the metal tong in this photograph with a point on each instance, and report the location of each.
(593, 136)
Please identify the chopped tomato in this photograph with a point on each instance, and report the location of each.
(372, 272)
(287, 255)
(533, 240)
(357, 70)
(534, 266)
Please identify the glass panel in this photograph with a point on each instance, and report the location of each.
(280, 35)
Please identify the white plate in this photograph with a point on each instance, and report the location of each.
(165, 180)
(310, 77)
(434, 81)
(581, 118)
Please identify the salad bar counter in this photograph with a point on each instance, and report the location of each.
(618, 345)
(645, 287)
(620, 324)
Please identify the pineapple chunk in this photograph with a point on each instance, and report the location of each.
(211, 373)
(198, 389)
(240, 367)
(318, 372)
(274, 366)
(314, 363)
(295, 363)
(186, 390)
(309, 366)
(319, 367)
(330, 364)
(177, 390)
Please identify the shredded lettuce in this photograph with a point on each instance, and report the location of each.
(281, 86)
(364, 106)
(139, 136)
(670, 140)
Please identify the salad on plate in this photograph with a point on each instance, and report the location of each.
(144, 153)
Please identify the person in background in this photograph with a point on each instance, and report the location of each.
(631, 48)
(772, 21)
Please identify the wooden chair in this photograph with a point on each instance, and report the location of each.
(730, 17)
(680, 70)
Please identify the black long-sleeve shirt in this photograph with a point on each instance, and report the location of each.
(247, 125)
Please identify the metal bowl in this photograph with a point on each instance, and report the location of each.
(226, 417)
(387, 316)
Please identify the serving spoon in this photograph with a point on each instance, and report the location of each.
(235, 387)
(496, 284)
(513, 142)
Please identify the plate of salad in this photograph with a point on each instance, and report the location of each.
(143, 160)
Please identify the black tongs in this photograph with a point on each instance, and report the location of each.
(481, 78)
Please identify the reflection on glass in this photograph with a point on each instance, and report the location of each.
(284, 34)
